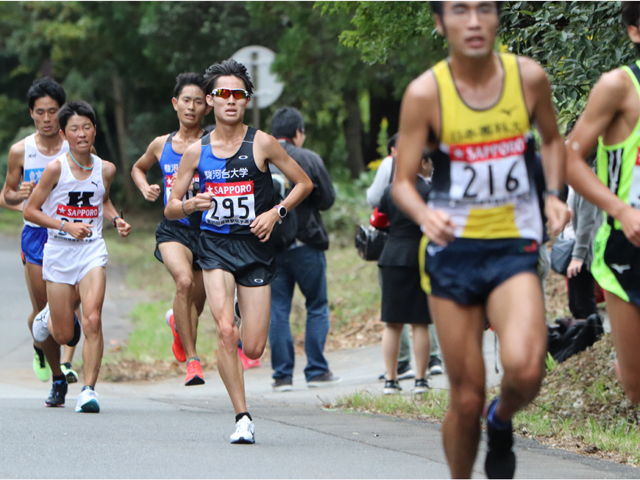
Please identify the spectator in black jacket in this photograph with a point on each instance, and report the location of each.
(304, 263)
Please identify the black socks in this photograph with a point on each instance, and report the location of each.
(243, 414)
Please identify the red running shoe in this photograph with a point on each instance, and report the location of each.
(194, 374)
(178, 350)
(247, 362)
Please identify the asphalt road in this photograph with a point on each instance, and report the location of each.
(165, 430)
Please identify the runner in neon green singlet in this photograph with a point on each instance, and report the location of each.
(612, 121)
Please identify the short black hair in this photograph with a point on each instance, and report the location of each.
(630, 13)
(186, 79)
(45, 87)
(286, 122)
(438, 7)
(76, 107)
(226, 69)
(391, 143)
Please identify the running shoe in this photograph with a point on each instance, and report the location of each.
(176, 346)
(40, 365)
(500, 461)
(284, 384)
(194, 373)
(392, 387)
(88, 401)
(40, 327)
(245, 431)
(435, 365)
(58, 392)
(421, 386)
(77, 332)
(72, 376)
(248, 362)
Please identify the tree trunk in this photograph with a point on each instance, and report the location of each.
(121, 130)
(353, 133)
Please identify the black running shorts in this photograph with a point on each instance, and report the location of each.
(168, 231)
(251, 262)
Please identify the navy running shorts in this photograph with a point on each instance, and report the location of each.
(467, 270)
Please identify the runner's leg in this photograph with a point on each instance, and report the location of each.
(92, 290)
(37, 292)
(516, 311)
(255, 305)
(179, 259)
(625, 330)
(460, 329)
(62, 298)
(220, 287)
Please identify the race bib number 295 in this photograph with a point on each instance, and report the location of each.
(232, 203)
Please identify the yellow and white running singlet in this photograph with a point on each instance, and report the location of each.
(483, 168)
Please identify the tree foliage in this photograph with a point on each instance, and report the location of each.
(575, 42)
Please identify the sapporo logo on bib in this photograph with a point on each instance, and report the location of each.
(233, 203)
(489, 173)
(78, 210)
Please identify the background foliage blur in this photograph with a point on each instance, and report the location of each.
(345, 65)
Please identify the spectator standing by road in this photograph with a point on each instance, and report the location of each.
(374, 194)
(586, 221)
(403, 300)
(304, 263)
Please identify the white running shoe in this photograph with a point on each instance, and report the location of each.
(167, 316)
(88, 401)
(40, 327)
(245, 431)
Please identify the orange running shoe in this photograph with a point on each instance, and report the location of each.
(194, 373)
(178, 349)
(247, 362)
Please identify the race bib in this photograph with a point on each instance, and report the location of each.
(489, 173)
(168, 186)
(73, 214)
(233, 203)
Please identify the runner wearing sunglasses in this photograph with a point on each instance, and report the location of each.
(238, 216)
(177, 241)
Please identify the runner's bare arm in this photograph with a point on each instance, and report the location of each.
(604, 104)
(269, 148)
(417, 113)
(16, 191)
(537, 91)
(109, 211)
(5, 205)
(144, 164)
(188, 166)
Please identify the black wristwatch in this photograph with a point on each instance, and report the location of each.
(282, 211)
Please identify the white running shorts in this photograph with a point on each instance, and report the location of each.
(68, 262)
